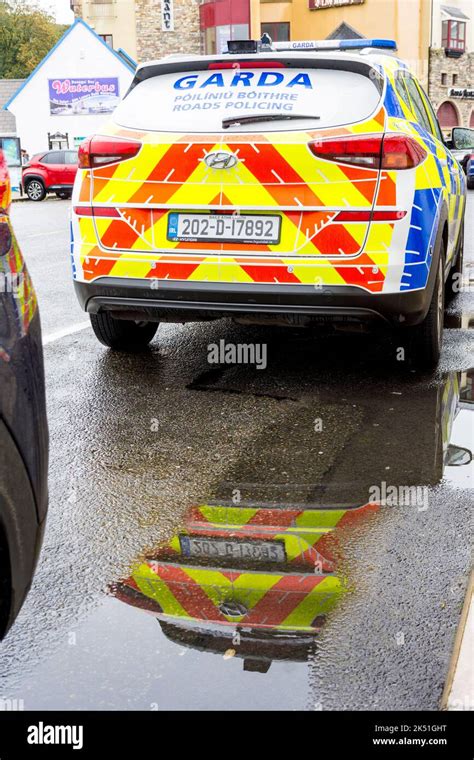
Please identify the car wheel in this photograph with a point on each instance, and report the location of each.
(122, 334)
(426, 339)
(35, 190)
(64, 194)
(453, 283)
(470, 184)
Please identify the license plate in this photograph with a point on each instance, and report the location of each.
(222, 228)
(221, 548)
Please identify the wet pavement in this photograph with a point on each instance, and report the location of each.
(216, 537)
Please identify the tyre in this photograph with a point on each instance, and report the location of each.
(122, 334)
(35, 190)
(426, 339)
(63, 194)
(470, 184)
(453, 283)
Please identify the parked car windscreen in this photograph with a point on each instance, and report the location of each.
(199, 101)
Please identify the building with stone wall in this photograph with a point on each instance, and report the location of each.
(451, 68)
(451, 88)
(182, 36)
(145, 29)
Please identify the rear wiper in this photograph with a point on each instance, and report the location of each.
(234, 121)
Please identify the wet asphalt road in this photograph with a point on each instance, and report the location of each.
(138, 441)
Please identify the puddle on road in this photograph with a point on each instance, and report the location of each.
(291, 585)
(256, 581)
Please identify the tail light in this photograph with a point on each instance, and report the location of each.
(101, 151)
(104, 211)
(401, 152)
(373, 152)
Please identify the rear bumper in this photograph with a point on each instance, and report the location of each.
(175, 301)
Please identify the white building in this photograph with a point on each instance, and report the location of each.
(72, 92)
(451, 19)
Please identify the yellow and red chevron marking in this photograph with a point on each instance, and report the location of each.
(366, 270)
(308, 535)
(5, 191)
(271, 600)
(276, 173)
(170, 585)
(13, 266)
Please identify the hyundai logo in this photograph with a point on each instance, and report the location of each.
(231, 608)
(221, 159)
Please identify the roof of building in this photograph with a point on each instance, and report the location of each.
(125, 60)
(345, 32)
(450, 10)
(8, 87)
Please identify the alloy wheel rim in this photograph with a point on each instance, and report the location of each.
(34, 190)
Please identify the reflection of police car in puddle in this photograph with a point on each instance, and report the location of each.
(256, 577)
(257, 580)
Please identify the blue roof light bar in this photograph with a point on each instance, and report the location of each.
(358, 44)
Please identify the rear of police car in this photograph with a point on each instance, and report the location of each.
(262, 186)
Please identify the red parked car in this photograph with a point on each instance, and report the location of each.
(52, 171)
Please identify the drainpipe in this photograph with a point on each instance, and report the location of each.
(430, 46)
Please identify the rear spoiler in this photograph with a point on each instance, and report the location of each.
(173, 66)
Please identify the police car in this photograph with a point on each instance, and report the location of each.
(289, 182)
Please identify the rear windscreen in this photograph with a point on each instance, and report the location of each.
(199, 101)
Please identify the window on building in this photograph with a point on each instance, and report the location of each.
(454, 35)
(455, 79)
(108, 38)
(279, 32)
(444, 79)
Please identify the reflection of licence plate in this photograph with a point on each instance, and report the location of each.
(244, 228)
(221, 548)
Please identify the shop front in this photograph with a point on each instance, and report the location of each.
(223, 20)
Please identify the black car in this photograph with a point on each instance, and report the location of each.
(23, 424)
